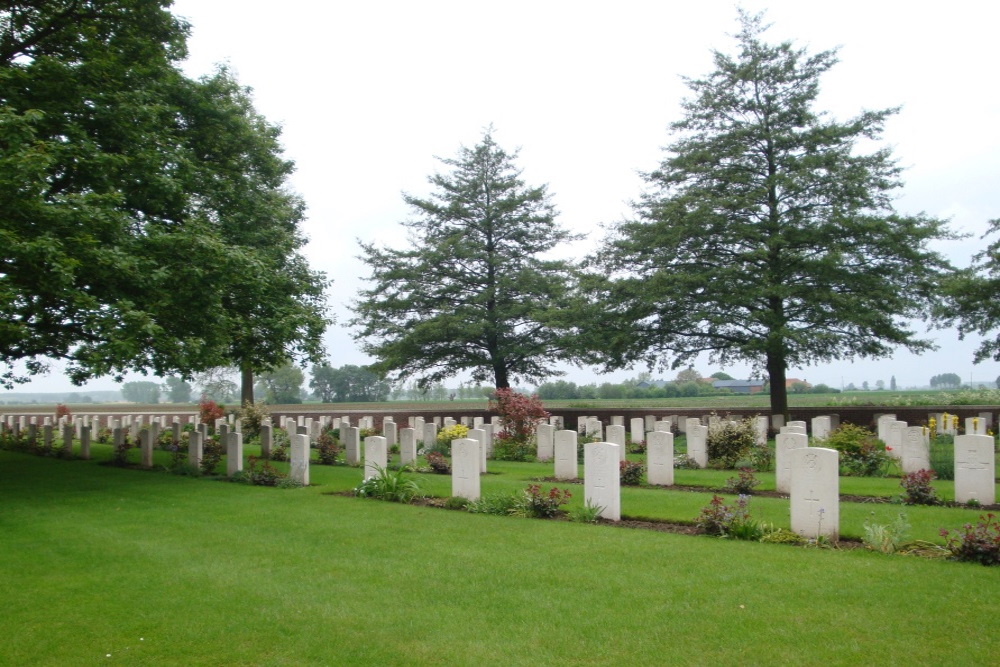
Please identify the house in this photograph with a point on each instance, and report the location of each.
(740, 386)
(790, 381)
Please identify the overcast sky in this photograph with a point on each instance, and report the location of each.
(369, 92)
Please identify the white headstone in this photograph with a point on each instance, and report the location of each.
(351, 437)
(618, 420)
(479, 435)
(815, 492)
(407, 446)
(660, 458)
(465, 463)
(784, 443)
(544, 435)
(389, 432)
(298, 459)
(637, 429)
(697, 442)
(234, 453)
(594, 428)
(601, 478)
(430, 435)
(760, 430)
(777, 422)
(798, 423)
(882, 425)
(648, 424)
(565, 446)
(146, 446)
(666, 426)
(195, 448)
(616, 436)
(376, 455)
(894, 438)
(975, 426)
(915, 453)
(975, 463)
(821, 427)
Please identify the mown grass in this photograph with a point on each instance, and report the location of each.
(213, 573)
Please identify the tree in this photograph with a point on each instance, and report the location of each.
(178, 390)
(971, 301)
(348, 384)
(141, 391)
(473, 291)
(150, 199)
(766, 235)
(946, 381)
(892, 383)
(721, 376)
(283, 385)
(689, 374)
(880, 385)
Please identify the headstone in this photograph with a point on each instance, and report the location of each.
(47, 435)
(544, 435)
(667, 426)
(793, 429)
(557, 422)
(266, 440)
(352, 445)
(234, 453)
(465, 463)
(988, 418)
(376, 455)
(146, 447)
(660, 458)
(618, 420)
(67, 439)
(418, 428)
(697, 442)
(389, 433)
(565, 446)
(195, 448)
(594, 428)
(821, 428)
(581, 425)
(815, 492)
(637, 428)
(488, 430)
(430, 435)
(760, 430)
(975, 426)
(894, 438)
(784, 443)
(601, 479)
(479, 435)
(915, 454)
(203, 429)
(407, 446)
(437, 421)
(882, 425)
(477, 422)
(85, 442)
(798, 423)
(975, 463)
(616, 436)
(118, 437)
(449, 422)
(648, 423)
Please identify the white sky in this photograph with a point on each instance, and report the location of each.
(369, 92)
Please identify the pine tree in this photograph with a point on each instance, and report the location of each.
(766, 235)
(474, 290)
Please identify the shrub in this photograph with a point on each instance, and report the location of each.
(519, 414)
(744, 483)
(445, 436)
(62, 411)
(456, 503)
(917, 489)
(280, 452)
(506, 448)
(437, 463)
(979, 543)
(635, 447)
(327, 449)
(630, 473)
(716, 518)
(251, 416)
(499, 503)
(119, 454)
(544, 505)
(886, 539)
(861, 453)
(761, 457)
(209, 411)
(388, 485)
(587, 513)
(682, 462)
(264, 475)
(730, 442)
(211, 455)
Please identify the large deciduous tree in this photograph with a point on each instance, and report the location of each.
(767, 234)
(971, 299)
(475, 289)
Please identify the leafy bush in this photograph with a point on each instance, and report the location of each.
(327, 449)
(389, 485)
(509, 449)
(635, 447)
(209, 411)
(630, 473)
(456, 503)
(119, 454)
(62, 411)
(682, 462)
(977, 544)
(744, 483)
(544, 505)
(437, 463)
(761, 457)
(251, 416)
(587, 513)
(519, 414)
(499, 503)
(862, 454)
(280, 452)
(716, 518)
(731, 442)
(442, 444)
(264, 475)
(886, 539)
(211, 455)
(917, 489)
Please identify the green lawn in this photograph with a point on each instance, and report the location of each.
(153, 568)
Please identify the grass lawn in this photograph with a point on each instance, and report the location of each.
(153, 568)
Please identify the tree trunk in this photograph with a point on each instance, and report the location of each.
(246, 384)
(500, 375)
(776, 378)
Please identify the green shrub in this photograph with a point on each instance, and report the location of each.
(499, 503)
(544, 505)
(917, 489)
(744, 483)
(630, 473)
(211, 455)
(437, 463)
(327, 449)
(731, 442)
(456, 503)
(587, 513)
(389, 485)
(510, 449)
(261, 473)
(977, 544)
(717, 518)
(886, 539)
(861, 453)
(251, 416)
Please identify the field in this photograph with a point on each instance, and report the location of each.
(109, 565)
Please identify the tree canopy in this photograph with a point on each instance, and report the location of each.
(348, 384)
(143, 214)
(766, 234)
(474, 290)
(971, 298)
